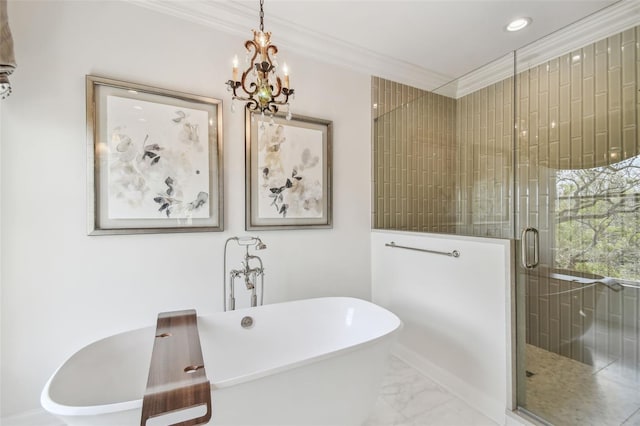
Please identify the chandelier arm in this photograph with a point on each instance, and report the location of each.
(249, 45)
(278, 88)
(272, 49)
(283, 102)
(252, 105)
(250, 89)
(242, 98)
(287, 93)
(254, 91)
(272, 108)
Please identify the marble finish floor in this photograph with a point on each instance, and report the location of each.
(568, 392)
(606, 396)
(407, 398)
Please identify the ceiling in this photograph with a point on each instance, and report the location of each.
(450, 38)
(423, 43)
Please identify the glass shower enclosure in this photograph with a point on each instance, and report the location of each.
(578, 221)
(546, 154)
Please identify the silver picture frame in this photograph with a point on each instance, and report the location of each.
(288, 172)
(154, 160)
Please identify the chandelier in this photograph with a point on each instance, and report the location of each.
(260, 86)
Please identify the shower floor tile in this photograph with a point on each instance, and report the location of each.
(408, 398)
(568, 392)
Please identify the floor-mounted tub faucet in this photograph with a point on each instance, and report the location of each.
(248, 273)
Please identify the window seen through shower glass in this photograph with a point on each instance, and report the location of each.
(597, 219)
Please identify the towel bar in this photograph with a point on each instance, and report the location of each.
(454, 253)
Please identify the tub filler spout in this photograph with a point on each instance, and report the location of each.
(250, 274)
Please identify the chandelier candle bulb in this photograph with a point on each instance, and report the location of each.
(262, 41)
(235, 68)
(285, 70)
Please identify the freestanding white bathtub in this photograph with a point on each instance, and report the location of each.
(307, 362)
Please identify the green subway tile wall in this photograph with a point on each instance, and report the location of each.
(414, 159)
(442, 164)
(446, 165)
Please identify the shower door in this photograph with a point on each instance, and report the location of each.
(578, 220)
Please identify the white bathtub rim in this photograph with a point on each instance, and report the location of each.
(91, 410)
(274, 370)
(277, 369)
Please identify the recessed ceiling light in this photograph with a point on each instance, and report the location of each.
(518, 24)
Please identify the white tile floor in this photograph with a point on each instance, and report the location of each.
(407, 398)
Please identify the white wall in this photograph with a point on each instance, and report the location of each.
(61, 288)
(457, 322)
(1, 145)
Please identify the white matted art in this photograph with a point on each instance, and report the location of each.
(155, 160)
(288, 172)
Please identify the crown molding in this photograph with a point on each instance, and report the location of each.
(356, 58)
(237, 19)
(493, 72)
(614, 19)
(228, 17)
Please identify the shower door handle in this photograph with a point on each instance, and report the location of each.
(536, 248)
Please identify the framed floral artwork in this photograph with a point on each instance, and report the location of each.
(154, 159)
(288, 172)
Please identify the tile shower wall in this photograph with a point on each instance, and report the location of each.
(414, 153)
(578, 111)
(442, 164)
(484, 137)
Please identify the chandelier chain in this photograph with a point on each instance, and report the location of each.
(261, 16)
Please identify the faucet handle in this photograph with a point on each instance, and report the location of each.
(248, 283)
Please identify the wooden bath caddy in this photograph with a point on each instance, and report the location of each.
(177, 379)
